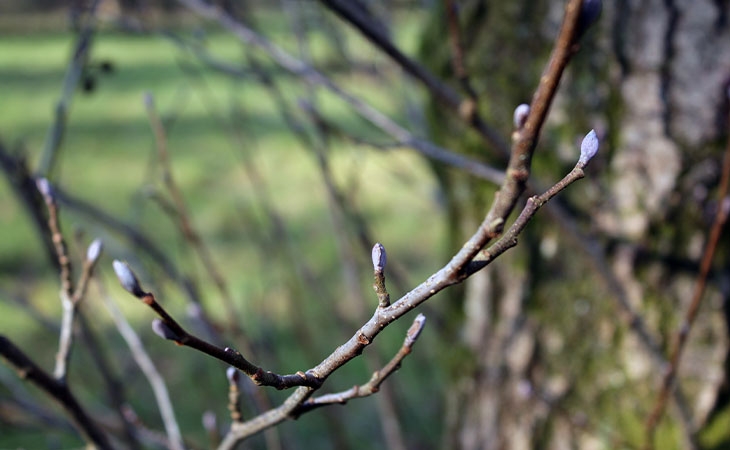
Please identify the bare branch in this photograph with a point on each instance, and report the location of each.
(56, 389)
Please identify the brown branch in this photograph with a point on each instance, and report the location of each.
(56, 389)
(457, 53)
(680, 340)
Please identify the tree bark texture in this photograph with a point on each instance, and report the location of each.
(552, 358)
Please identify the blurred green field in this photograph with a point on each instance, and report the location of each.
(108, 159)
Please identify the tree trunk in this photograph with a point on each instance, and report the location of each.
(555, 359)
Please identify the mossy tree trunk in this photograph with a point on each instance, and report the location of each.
(552, 361)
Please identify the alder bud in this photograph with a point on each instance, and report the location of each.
(588, 148)
(379, 257)
(44, 187)
(127, 279)
(210, 422)
(232, 374)
(164, 331)
(94, 250)
(520, 115)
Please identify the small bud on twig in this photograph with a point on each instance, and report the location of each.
(520, 115)
(379, 258)
(127, 279)
(233, 375)
(94, 250)
(44, 187)
(210, 422)
(588, 148)
(149, 100)
(162, 330)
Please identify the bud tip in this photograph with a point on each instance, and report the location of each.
(588, 148)
(379, 257)
(520, 115)
(94, 250)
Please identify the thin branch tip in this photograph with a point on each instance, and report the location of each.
(588, 148)
(520, 115)
(94, 250)
(44, 187)
(379, 257)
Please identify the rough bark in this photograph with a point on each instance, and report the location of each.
(551, 362)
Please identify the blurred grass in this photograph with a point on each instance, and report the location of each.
(107, 159)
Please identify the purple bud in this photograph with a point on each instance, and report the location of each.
(44, 187)
(163, 330)
(379, 258)
(209, 421)
(520, 115)
(127, 279)
(588, 148)
(232, 374)
(149, 100)
(94, 250)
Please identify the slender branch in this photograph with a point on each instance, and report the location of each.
(680, 340)
(71, 80)
(378, 377)
(457, 53)
(145, 363)
(56, 389)
(65, 340)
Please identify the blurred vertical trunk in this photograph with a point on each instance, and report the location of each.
(550, 363)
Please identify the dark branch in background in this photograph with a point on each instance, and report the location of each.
(71, 81)
(443, 93)
(56, 389)
(372, 115)
(23, 184)
(184, 222)
(457, 54)
(680, 340)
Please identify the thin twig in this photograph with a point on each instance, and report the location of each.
(187, 229)
(145, 363)
(680, 340)
(71, 80)
(378, 377)
(457, 53)
(442, 92)
(65, 340)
